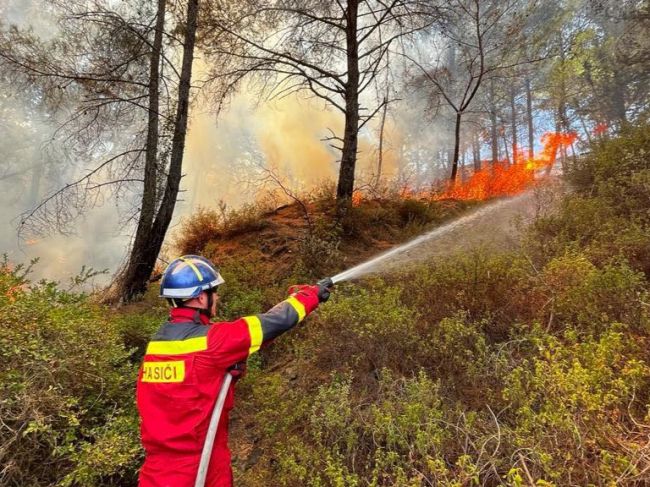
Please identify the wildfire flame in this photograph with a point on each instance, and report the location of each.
(500, 178)
(503, 179)
(601, 129)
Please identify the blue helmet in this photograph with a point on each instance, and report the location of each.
(187, 276)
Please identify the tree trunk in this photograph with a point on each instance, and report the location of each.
(140, 249)
(505, 148)
(513, 124)
(563, 118)
(138, 283)
(565, 125)
(463, 173)
(493, 125)
(380, 159)
(617, 98)
(454, 162)
(351, 132)
(585, 129)
(529, 111)
(476, 151)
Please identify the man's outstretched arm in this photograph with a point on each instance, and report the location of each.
(287, 314)
(235, 341)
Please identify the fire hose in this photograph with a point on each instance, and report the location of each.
(206, 453)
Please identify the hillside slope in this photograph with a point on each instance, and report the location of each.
(515, 367)
(524, 362)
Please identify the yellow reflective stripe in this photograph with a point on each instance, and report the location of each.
(298, 306)
(194, 268)
(255, 330)
(178, 347)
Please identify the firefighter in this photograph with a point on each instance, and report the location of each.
(185, 364)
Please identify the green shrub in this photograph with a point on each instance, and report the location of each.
(320, 250)
(482, 368)
(66, 384)
(242, 293)
(371, 219)
(367, 329)
(589, 225)
(416, 211)
(206, 225)
(487, 286)
(406, 435)
(615, 167)
(609, 216)
(574, 406)
(137, 328)
(396, 218)
(582, 295)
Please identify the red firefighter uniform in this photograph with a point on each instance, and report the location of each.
(179, 381)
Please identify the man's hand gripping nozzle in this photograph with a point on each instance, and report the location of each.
(324, 288)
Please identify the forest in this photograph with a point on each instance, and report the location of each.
(292, 140)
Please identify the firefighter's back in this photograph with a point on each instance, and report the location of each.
(177, 386)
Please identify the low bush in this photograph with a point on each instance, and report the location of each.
(576, 413)
(502, 369)
(365, 329)
(206, 225)
(489, 287)
(66, 384)
(196, 231)
(581, 295)
(609, 216)
(418, 211)
(242, 293)
(319, 250)
(371, 219)
(396, 218)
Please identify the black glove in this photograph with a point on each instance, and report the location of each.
(324, 289)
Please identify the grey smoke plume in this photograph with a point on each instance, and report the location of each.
(221, 156)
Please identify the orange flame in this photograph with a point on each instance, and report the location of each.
(501, 179)
(600, 129)
(357, 197)
(495, 179)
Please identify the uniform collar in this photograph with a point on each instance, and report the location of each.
(183, 315)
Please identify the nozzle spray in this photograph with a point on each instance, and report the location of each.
(485, 213)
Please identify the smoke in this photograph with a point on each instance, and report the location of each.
(290, 134)
(30, 170)
(292, 137)
(32, 165)
(225, 157)
(32, 14)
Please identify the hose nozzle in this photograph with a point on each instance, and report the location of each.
(327, 282)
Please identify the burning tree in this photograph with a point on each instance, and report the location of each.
(332, 50)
